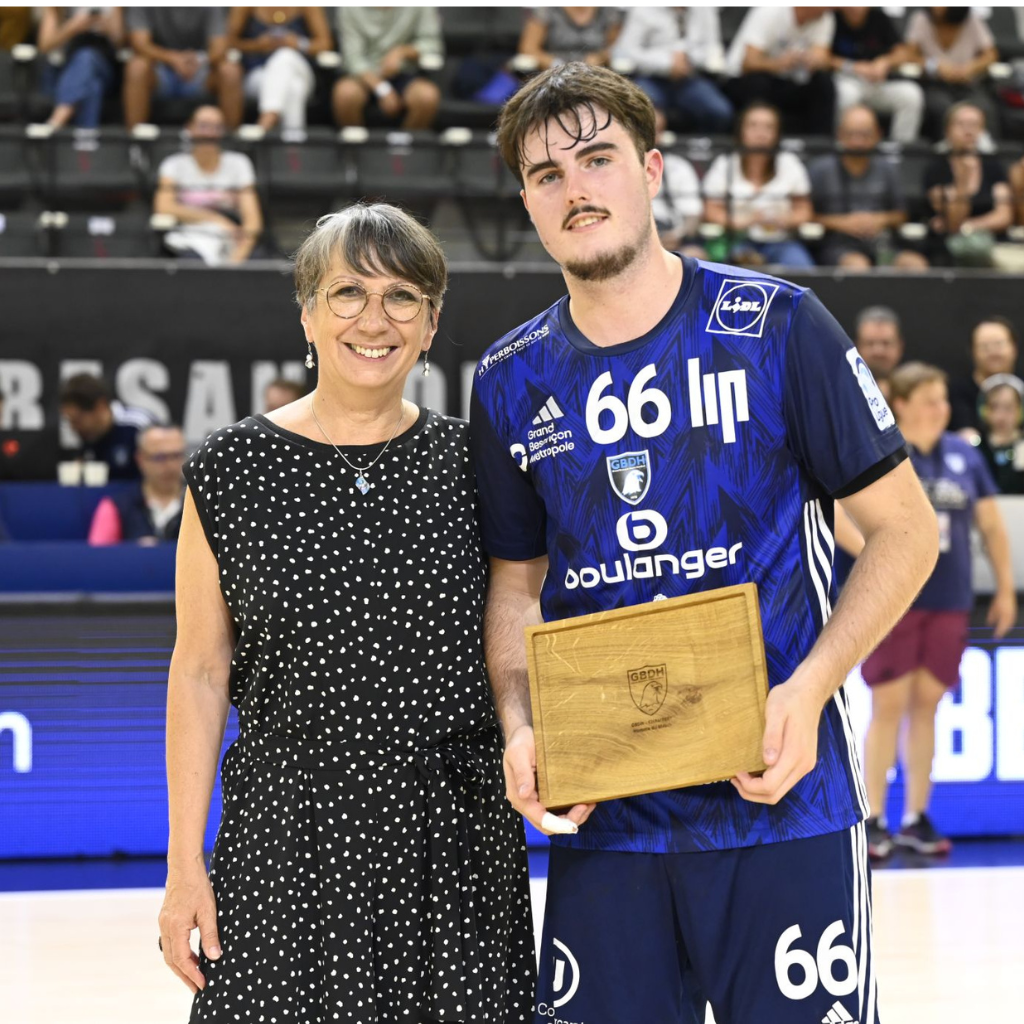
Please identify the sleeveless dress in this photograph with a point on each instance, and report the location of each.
(368, 868)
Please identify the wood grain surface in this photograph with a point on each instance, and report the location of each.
(648, 698)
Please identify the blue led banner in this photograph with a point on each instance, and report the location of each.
(82, 693)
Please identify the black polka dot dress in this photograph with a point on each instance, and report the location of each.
(368, 868)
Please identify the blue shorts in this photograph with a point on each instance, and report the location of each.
(170, 85)
(773, 934)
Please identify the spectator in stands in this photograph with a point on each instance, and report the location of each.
(781, 55)
(956, 48)
(865, 49)
(15, 26)
(880, 343)
(180, 53)
(678, 206)
(670, 47)
(1001, 441)
(276, 44)
(89, 38)
(857, 195)
(282, 391)
(107, 429)
(212, 194)
(557, 35)
(914, 666)
(968, 192)
(150, 512)
(1017, 188)
(760, 193)
(993, 350)
(382, 48)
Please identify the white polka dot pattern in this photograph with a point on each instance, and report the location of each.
(368, 868)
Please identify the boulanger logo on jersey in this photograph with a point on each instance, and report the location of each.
(741, 308)
(630, 475)
(645, 530)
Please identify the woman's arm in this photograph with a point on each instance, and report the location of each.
(531, 42)
(55, 31)
(1002, 613)
(252, 224)
(801, 211)
(197, 709)
(320, 38)
(1000, 217)
(238, 18)
(976, 68)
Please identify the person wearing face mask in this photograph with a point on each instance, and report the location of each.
(331, 587)
(1001, 440)
(993, 350)
(919, 661)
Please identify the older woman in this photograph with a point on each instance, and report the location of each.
(915, 665)
(330, 587)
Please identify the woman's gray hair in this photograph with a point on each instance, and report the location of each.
(374, 239)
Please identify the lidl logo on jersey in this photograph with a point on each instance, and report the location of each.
(718, 398)
(741, 308)
(513, 347)
(630, 475)
(872, 395)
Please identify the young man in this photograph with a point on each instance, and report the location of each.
(750, 412)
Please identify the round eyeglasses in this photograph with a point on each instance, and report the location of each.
(401, 302)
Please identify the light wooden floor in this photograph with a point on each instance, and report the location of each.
(949, 945)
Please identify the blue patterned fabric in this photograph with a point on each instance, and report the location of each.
(703, 454)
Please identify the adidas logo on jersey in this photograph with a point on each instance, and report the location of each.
(548, 411)
(837, 1015)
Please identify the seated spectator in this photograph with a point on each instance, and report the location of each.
(781, 55)
(382, 48)
(968, 191)
(760, 192)
(150, 512)
(89, 38)
(212, 194)
(180, 53)
(879, 341)
(1001, 440)
(857, 195)
(865, 49)
(1017, 188)
(282, 391)
(106, 428)
(678, 206)
(670, 47)
(956, 48)
(557, 35)
(993, 351)
(276, 44)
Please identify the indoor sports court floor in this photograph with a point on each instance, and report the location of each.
(78, 940)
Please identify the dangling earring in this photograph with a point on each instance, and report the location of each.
(426, 363)
(309, 356)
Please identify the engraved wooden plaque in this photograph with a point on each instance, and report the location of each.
(648, 698)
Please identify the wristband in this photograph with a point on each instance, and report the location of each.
(382, 89)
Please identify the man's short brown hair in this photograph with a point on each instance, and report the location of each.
(906, 379)
(575, 95)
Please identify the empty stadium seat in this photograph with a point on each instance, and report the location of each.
(15, 179)
(22, 235)
(402, 166)
(317, 168)
(108, 235)
(88, 169)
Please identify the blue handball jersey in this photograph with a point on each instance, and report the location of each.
(704, 454)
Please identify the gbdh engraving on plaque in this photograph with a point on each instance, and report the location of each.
(648, 687)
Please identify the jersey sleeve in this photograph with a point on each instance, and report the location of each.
(838, 424)
(512, 515)
(983, 479)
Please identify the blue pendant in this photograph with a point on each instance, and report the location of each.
(362, 484)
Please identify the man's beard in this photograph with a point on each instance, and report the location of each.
(605, 266)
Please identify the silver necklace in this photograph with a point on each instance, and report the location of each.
(362, 483)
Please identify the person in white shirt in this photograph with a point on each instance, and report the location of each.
(669, 47)
(212, 194)
(781, 55)
(760, 194)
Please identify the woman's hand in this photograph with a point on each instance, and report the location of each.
(1002, 613)
(188, 903)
